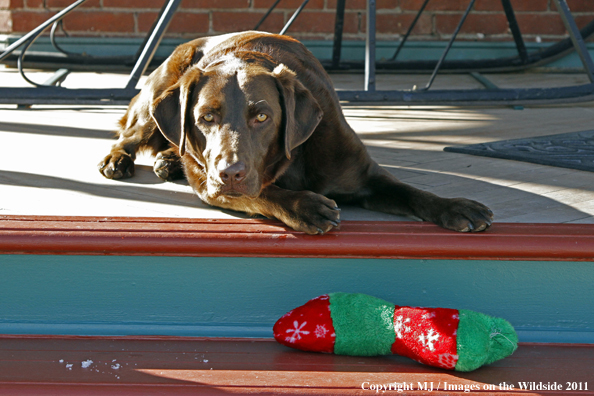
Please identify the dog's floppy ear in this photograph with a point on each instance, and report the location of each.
(170, 110)
(302, 113)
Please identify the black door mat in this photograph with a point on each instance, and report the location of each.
(567, 150)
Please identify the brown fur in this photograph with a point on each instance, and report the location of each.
(201, 112)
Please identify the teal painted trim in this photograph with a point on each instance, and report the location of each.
(322, 49)
(140, 329)
(551, 334)
(426, 50)
(205, 296)
(96, 46)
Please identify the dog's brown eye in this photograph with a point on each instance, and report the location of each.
(261, 117)
(208, 117)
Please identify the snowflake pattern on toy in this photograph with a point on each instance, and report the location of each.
(429, 315)
(429, 339)
(400, 326)
(297, 331)
(431, 335)
(308, 327)
(321, 331)
(447, 360)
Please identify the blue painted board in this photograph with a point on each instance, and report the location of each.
(204, 296)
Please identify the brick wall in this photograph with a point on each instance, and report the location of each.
(538, 19)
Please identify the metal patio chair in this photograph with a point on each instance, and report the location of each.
(49, 93)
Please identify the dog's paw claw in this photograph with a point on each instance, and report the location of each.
(168, 167)
(314, 214)
(117, 166)
(464, 215)
(483, 226)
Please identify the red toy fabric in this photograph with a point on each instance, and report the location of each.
(308, 327)
(427, 335)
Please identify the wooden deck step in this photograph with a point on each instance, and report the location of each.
(59, 365)
(270, 238)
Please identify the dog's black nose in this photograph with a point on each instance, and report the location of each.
(232, 174)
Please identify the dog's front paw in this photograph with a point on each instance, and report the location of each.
(168, 166)
(313, 214)
(464, 215)
(118, 165)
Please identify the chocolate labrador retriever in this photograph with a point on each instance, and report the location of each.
(254, 123)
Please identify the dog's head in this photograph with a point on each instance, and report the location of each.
(238, 118)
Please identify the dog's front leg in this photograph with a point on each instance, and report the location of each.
(384, 193)
(303, 211)
(134, 133)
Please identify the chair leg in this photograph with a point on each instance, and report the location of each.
(338, 29)
(272, 7)
(37, 31)
(294, 16)
(370, 47)
(448, 47)
(515, 29)
(410, 29)
(576, 37)
(152, 43)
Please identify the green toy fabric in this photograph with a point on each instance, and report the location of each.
(483, 340)
(365, 324)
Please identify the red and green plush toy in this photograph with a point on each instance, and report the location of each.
(362, 325)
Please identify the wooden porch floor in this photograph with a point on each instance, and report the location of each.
(50, 153)
(181, 366)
